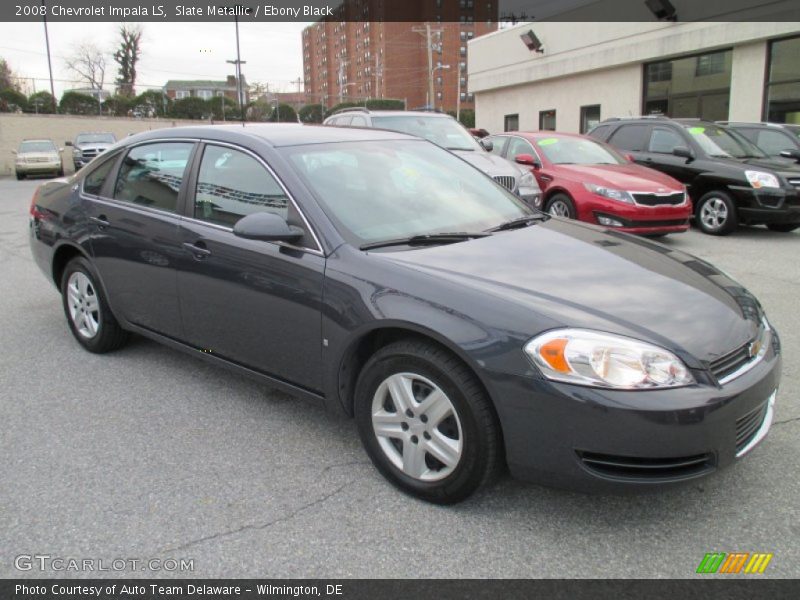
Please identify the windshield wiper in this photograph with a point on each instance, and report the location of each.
(452, 148)
(520, 222)
(447, 237)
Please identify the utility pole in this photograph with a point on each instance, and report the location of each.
(238, 62)
(299, 82)
(49, 61)
(427, 31)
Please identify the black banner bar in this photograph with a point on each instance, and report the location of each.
(463, 11)
(744, 587)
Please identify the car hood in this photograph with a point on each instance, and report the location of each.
(629, 177)
(776, 165)
(577, 275)
(492, 165)
(94, 145)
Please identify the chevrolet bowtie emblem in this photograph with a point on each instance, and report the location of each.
(754, 349)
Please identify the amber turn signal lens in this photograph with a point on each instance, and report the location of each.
(553, 354)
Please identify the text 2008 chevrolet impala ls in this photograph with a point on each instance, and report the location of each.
(390, 279)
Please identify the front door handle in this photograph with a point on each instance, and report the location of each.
(100, 221)
(198, 250)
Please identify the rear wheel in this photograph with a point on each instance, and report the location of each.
(783, 227)
(426, 422)
(88, 315)
(716, 213)
(561, 205)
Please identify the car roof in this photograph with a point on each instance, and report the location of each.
(763, 124)
(277, 134)
(543, 133)
(38, 140)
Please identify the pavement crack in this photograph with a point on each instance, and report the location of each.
(262, 526)
(352, 463)
(785, 421)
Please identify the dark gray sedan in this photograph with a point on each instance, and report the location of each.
(391, 280)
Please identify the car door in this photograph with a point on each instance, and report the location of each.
(661, 142)
(252, 302)
(134, 234)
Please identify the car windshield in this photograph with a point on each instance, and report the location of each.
(95, 138)
(723, 143)
(385, 190)
(577, 151)
(795, 129)
(442, 131)
(37, 146)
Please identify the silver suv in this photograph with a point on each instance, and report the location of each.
(445, 131)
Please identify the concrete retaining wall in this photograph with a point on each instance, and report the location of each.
(16, 127)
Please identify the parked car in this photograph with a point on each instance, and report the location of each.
(38, 157)
(587, 180)
(779, 140)
(89, 145)
(445, 131)
(383, 276)
(729, 179)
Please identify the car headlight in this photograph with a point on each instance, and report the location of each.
(610, 193)
(527, 180)
(606, 360)
(76, 152)
(760, 179)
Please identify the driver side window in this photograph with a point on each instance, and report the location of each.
(664, 141)
(519, 146)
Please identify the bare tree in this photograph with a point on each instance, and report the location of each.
(126, 56)
(89, 64)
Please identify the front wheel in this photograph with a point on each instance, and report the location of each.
(88, 315)
(561, 205)
(716, 213)
(783, 227)
(426, 422)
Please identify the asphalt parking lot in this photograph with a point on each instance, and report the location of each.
(149, 453)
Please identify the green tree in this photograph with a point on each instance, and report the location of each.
(222, 107)
(126, 56)
(75, 103)
(386, 104)
(118, 105)
(258, 110)
(152, 103)
(467, 117)
(190, 108)
(11, 100)
(283, 113)
(311, 113)
(42, 102)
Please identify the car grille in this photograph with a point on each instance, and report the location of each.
(748, 425)
(507, 181)
(659, 199)
(649, 469)
(38, 159)
(91, 152)
(731, 362)
(663, 223)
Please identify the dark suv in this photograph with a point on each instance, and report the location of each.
(729, 179)
(781, 140)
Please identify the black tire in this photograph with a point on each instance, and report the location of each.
(20, 176)
(109, 335)
(783, 227)
(561, 200)
(714, 223)
(481, 447)
(61, 172)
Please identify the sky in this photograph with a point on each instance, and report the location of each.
(273, 52)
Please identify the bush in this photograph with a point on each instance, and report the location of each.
(283, 113)
(190, 108)
(118, 105)
(75, 103)
(311, 113)
(222, 107)
(152, 103)
(467, 117)
(42, 102)
(11, 100)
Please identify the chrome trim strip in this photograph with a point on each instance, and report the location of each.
(764, 429)
(750, 364)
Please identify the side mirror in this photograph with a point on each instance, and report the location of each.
(527, 159)
(266, 227)
(629, 157)
(795, 154)
(487, 145)
(683, 152)
(68, 143)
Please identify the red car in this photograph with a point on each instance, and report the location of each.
(584, 179)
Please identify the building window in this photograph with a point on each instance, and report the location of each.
(205, 94)
(590, 116)
(462, 65)
(689, 87)
(511, 123)
(463, 50)
(181, 94)
(783, 82)
(547, 120)
(710, 64)
(463, 96)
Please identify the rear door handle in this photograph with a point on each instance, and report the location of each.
(100, 221)
(199, 249)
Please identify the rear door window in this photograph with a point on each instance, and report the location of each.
(519, 146)
(774, 142)
(498, 143)
(94, 181)
(664, 141)
(152, 174)
(629, 137)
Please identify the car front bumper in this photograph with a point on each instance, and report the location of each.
(593, 439)
(37, 168)
(767, 205)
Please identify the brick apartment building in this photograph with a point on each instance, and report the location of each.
(361, 57)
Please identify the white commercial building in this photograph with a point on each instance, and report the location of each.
(584, 72)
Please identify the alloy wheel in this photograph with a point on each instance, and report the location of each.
(559, 208)
(417, 426)
(83, 305)
(714, 213)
